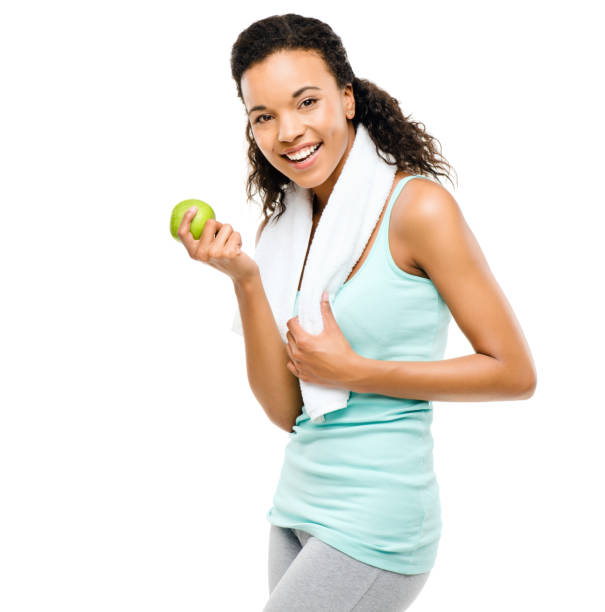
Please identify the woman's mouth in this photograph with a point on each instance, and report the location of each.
(305, 162)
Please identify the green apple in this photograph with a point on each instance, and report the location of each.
(204, 212)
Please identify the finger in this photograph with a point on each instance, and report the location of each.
(211, 228)
(184, 231)
(327, 314)
(223, 234)
(291, 344)
(292, 368)
(290, 353)
(218, 244)
(233, 246)
(295, 328)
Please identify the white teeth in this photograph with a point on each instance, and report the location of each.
(302, 153)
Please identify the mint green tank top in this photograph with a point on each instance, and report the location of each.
(363, 479)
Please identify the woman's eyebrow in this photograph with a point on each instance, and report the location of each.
(294, 95)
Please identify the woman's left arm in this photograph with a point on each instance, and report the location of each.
(431, 224)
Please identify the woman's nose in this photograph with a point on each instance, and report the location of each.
(289, 129)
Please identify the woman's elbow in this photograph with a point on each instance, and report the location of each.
(528, 386)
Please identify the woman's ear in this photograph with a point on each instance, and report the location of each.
(349, 101)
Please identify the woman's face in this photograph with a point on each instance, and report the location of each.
(292, 99)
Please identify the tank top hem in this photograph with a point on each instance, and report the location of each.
(380, 560)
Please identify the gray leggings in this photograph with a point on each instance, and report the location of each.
(307, 574)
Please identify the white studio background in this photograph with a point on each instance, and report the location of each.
(136, 467)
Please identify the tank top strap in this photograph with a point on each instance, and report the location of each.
(400, 185)
(384, 226)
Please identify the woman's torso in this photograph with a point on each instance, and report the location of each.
(363, 479)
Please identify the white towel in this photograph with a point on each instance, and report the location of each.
(343, 231)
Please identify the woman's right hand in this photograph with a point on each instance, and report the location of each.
(218, 246)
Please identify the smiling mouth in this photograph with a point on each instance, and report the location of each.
(304, 158)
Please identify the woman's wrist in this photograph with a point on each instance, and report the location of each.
(244, 285)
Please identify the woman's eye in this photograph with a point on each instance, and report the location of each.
(309, 100)
(259, 119)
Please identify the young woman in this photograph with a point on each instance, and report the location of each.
(355, 522)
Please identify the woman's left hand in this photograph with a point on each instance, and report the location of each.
(325, 358)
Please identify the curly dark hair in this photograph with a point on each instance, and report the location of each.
(413, 149)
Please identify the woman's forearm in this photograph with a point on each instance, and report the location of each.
(274, 386)
(472, 378)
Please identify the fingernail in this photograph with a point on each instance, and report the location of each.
(324, 296)
(193, 209)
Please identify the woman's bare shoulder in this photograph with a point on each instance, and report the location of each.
(419, 197)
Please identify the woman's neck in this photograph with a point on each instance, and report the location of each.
(316, 209)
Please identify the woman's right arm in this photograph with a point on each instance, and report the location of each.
(273, 385)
